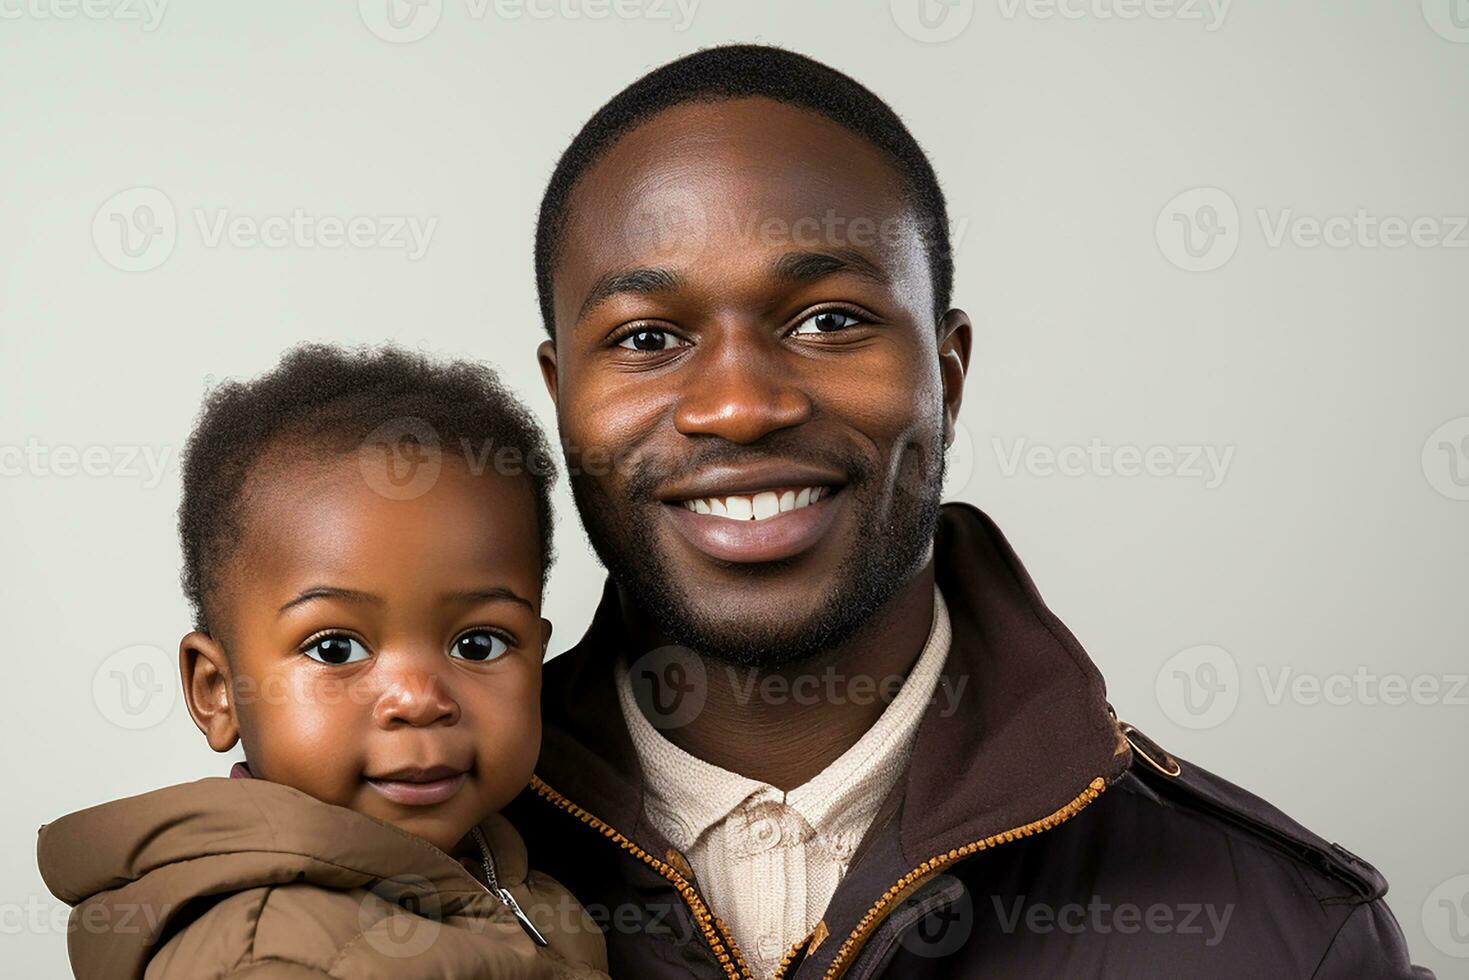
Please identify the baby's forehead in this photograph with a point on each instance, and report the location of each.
(308, 511)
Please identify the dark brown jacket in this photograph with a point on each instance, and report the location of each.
(246, 878)
(1033, 836)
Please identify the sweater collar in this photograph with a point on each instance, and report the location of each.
(685, 795)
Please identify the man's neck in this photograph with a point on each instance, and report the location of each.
(784, 726)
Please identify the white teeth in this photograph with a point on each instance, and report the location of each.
(756, 507)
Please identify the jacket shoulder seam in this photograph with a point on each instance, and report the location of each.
(1297, 865)
(1331, 944)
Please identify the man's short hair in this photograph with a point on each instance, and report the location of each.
(324, 400)
(741, 71)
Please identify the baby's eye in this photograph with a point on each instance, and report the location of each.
(827, 321)
(335, 649)
(479, 646)
(650, 339)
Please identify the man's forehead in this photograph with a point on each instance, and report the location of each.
(734, 173)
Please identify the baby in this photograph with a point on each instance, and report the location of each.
(366, 535)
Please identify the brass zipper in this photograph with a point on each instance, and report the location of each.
(728, 954)
(725, 950)
(933, 865)
(785, 961)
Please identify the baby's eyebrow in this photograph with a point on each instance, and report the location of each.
(331, 592)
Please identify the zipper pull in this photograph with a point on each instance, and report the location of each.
(520, 916)
(492, 885)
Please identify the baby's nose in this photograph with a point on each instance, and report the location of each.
(415, 697)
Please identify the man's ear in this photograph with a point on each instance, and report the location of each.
(207, 690)
(545, 636)
(546, 355)
(956, 335)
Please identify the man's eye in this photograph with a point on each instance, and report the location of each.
(479, 646)
(827, 321)
(335, 649)
(649, 340)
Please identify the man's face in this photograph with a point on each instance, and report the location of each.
(750, 378)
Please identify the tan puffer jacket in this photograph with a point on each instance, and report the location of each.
(246, 878)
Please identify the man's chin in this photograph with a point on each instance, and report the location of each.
(767, 632)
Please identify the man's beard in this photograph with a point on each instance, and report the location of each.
(889, 545)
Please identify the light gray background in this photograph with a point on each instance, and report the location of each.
(1332, 547)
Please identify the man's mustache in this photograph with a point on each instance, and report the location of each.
(649, 472)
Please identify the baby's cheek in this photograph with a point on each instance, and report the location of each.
(508, 741)
(301, 734)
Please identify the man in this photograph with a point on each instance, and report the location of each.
(744, 268)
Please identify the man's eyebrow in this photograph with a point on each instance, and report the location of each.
(492, 594)
(810, 266)
(331, 592)
(638, 281)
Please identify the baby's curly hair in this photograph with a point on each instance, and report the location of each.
(329, 399)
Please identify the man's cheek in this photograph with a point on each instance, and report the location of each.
(623, 411)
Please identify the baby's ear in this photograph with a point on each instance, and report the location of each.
(206, 675)
(545, 636)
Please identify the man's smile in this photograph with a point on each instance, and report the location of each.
(759, 506)
(764, 511)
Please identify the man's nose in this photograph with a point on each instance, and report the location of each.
(743, 391)
(416, 696)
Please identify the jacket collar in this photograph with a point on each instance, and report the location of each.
(162, 850)
(1019, 730)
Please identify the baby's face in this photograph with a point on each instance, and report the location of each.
(386, 653)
